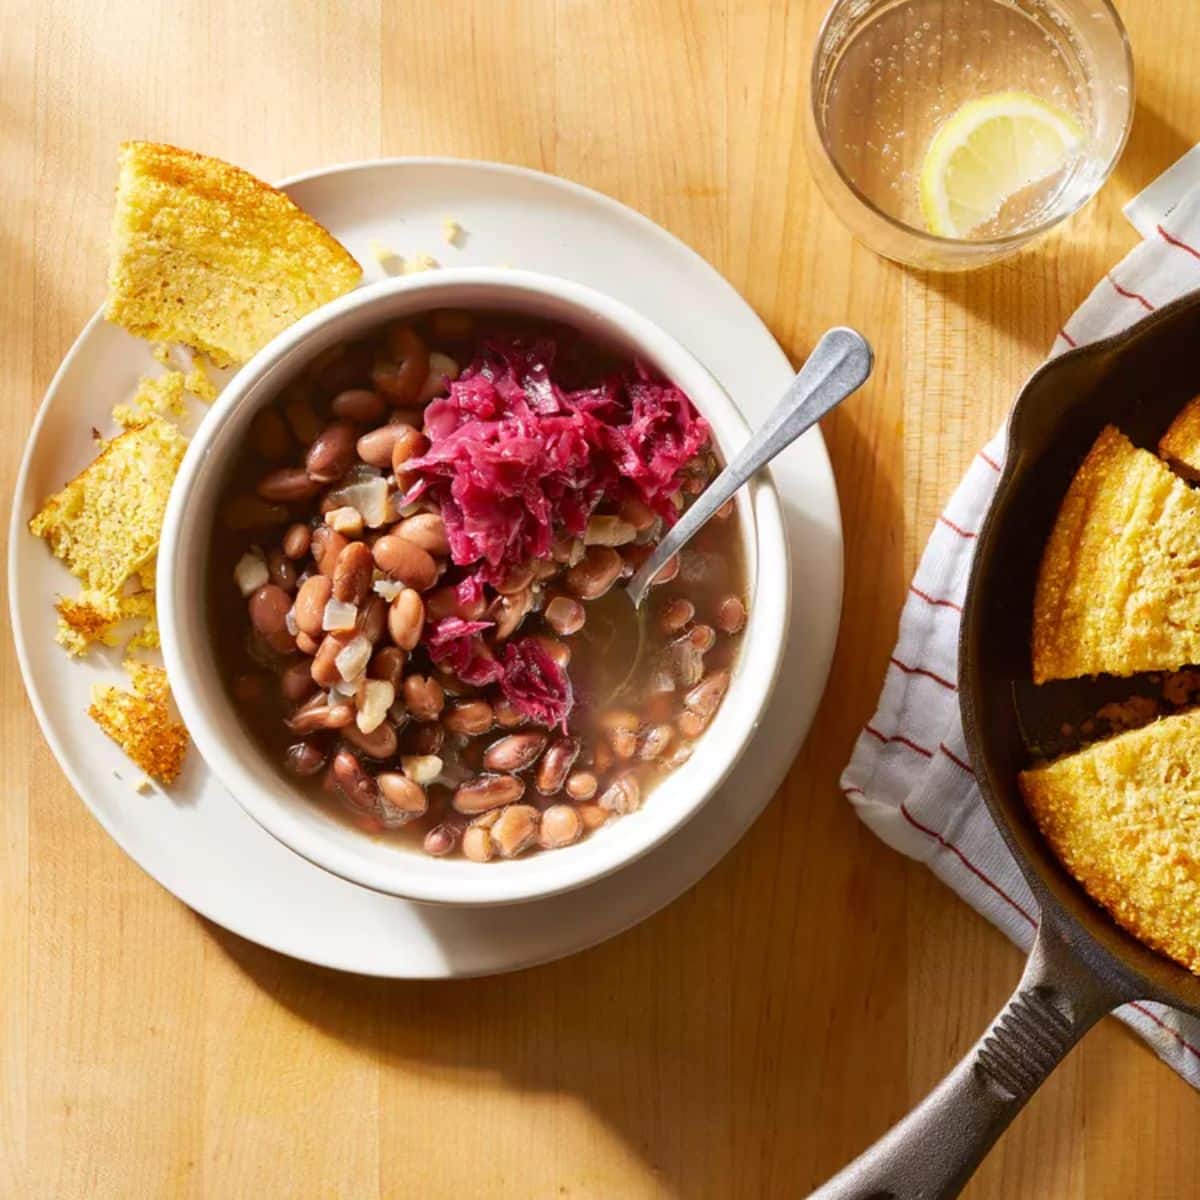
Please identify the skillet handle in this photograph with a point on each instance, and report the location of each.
(934, 1150)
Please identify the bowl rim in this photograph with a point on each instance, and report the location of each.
(373, 863)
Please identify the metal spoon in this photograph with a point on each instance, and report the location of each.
(839, 364)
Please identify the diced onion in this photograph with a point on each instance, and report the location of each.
(250, 573)
(389, 589)
(339, 616)
(377, 697)
(352, 658)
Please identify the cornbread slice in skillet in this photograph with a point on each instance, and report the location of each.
(206, 254)
(105, 524)
(1123, 816)
(1180, 445)
(1118, 590)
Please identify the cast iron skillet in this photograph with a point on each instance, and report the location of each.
(1082, 965)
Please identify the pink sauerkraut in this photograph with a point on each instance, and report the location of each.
(515, 462)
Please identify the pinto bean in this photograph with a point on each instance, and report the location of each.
(301, 417)
(677, 615)
(306, 644)
(621, 729)
(296, 683)
(565, 615)
(560, 826)
(360, 405)
(426, 530)
(402, 799)
(309, 718)
(556, 764)
(515, 830)
(655, 741)
(380, 743)
(269, 607)
(324, 667)
(599, 569)
(704, 698)
(282, 570)
(287, 485)
(507, 714)
(442, 839)
(303, 759)
(445, 602)
(731, 615)
(352, 573)
(469, 717)
(592, 816)
(354, 782)
(406, 619)
(424, 737)
(410, 443)
(311, 599)
(332, 454)
(387, 664)
(404, 560)
(487, 791)
(509, 611)
(297, 540)
(375, 447)
(269, 435)
(623, 795)
(423, 697)
(327, 544)
(477, 844)
(581, 786)
(247, 511)
(514, 752)
(668, 572)
(703, 637)
(402, 373)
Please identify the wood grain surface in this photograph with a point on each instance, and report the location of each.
(760, 1031)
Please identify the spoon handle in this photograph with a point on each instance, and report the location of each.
(838, 365)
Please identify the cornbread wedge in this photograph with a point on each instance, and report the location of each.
(1180, 445)
(93, 617)
(1119, 586)
(105, 523)
(1124, 818)
(140, 722)
(206, 254)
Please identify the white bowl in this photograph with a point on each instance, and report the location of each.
(286, 812)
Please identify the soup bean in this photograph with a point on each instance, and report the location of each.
(469, 717)
(303, 759)
(599, 569)
(515, 579)
(703, 637)
(592, 816)
(515, 830)
(426, 530)
(565, 615)
(687, 663)
(424, 737)
(560, 826)
(423, 697)
(678, 756)
(677, 615)
(352, 779)
(282, 570)
(559, 651)
(352, 573)
(669, 571)
(401, 800)
(514, 752)
(269, 607)
(640, 516)
(296, 683)
(327, 544)
(311, 599)
(655, 741)
(387, 663)
(297, 540)
(301, 417)
(623, 795)
(251, 512)
(310, 718)
(690, 724)
(324, 665)
(401, 375)
(725, 511)
(287, 485)
(360, 405)
(506, 714)
(306, 644)
(445, 602)
(608, 531)
(442, 839)
(509, 611)
(487, 791)
(410, 442)
(731, 615)
(621, 729)
(477, 844)
(269, 436)
(406, 561)
(380, 743)
(556, 764)
(332, 453)
(375, 447)
(581, 786)
(706, 695)
(406, 619)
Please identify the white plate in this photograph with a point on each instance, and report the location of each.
(197, 842)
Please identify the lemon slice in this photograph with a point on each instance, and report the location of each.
(988, 151)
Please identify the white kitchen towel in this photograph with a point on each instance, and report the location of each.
(909, 777)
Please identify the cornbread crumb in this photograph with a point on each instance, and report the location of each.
(420, 262)
(206, 254)
(160, 396)
(1119, 586)
(1124, 818)
(95, 617)
(198, 383)
(140, 721)
(453, 233)
(1180, 445)
(384, 254)
(162, 353)
(105, 524)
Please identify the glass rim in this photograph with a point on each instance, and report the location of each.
(984, 245)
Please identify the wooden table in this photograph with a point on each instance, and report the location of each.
(761, 1030)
